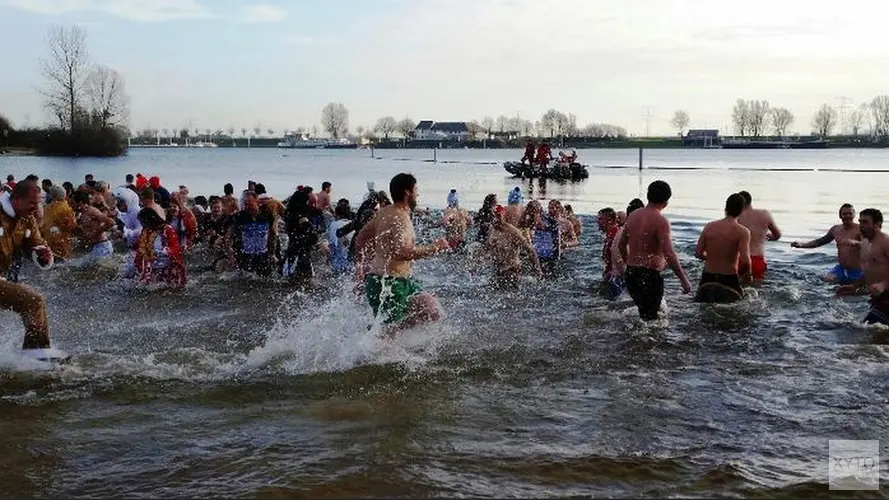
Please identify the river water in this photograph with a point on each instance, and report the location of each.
(239, 387)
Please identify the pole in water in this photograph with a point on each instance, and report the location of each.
(640, 159)
(372, 152)
(435, 154)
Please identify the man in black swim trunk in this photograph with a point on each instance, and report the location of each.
(875, 261)
(647, 248)
(724, 246)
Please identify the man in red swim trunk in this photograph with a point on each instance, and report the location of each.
(762, 227)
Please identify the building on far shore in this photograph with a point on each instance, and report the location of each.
(701, 138)
(428, 130)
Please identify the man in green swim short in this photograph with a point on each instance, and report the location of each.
(387, 242)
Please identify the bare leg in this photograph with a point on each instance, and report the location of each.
(31, 306)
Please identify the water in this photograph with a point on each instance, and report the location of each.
(238, 387)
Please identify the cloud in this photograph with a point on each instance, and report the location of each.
(262, 13)
(296, 39)
(133, 10)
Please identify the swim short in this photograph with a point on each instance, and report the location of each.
(616, 286)
(719, 288)
(646, 288)
(758, 267)
(879, 310)
(102, 249)
(390, 295)
(845, 275)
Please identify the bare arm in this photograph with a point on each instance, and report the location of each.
(525, 245)
(827, 238)
(665, 241)
(406, 250)
(744, 268)
(774, 232)
(701, 248)
(365, 237)
(623, 242)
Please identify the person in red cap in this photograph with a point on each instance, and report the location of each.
(162, 193)
(141, 182)
(504, 244)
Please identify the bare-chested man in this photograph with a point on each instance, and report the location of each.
(875, 260)
(93, 225)
(647, 248)
(455, 221)
(848, 238)
(230, 204)
(389, 287)
(762, 227)
(724, 246)
(504, 245)
(514, 208)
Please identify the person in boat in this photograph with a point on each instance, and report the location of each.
(875, 262)
(20, 236)
(724, 246)
(544, 155)
(563, 158)
(158, 253)
(848, 238)
(529, 152)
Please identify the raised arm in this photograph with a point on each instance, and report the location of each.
(623, 242)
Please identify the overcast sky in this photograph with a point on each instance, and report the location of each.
(277, 63)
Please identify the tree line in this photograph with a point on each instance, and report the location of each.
(756, 118)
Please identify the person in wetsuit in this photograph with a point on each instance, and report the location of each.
(251, 234)
(647, 247)
(724, 246)
(875, 262)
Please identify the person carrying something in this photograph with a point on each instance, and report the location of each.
(724, 246)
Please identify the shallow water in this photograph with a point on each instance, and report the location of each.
(239, 387)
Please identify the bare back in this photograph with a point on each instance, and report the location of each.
(503, 245)
(393, 235)
(646, 230)
(876, 259)
(455, 222)
(722, 244)
(760, 223)
(93, 223)
(514, 214)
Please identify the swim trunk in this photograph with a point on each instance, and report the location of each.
(390, 295)
(758, 267)
(719, 288)
(845, 275)
(101, 250)
(646, 288)
(879, 310)
(615, 286)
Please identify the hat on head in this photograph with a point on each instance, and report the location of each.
(515, 196)
(155, 182)
(499, 209)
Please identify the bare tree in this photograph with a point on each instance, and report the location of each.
(360, 130)
(256, 131)
(243, 131)
(335, 119)
(527, 127)
(107, 97)
(271, 132)
(502, 123)
(825, 120)
(406, 127)
(741, 117)
(553, 122)
(782, 118)
(488, 125)
(855, 120)
(66, 72)
(385, 126)
(880, 115)
(231, 132)
(680, 121)
(759, 112)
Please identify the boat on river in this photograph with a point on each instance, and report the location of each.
(569, 171)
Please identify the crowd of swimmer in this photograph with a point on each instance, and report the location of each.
(257, 234)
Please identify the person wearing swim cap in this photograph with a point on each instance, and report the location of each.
(504, 245)
(514, 208)
(391, 291)
(647, 247)
(848, 238)
(455, 221)
(762, 228)
(875, 262)
(724, 246)
(20, 236)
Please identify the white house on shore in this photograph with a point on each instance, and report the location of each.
(428, 130)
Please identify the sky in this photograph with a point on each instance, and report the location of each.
(275, 64)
